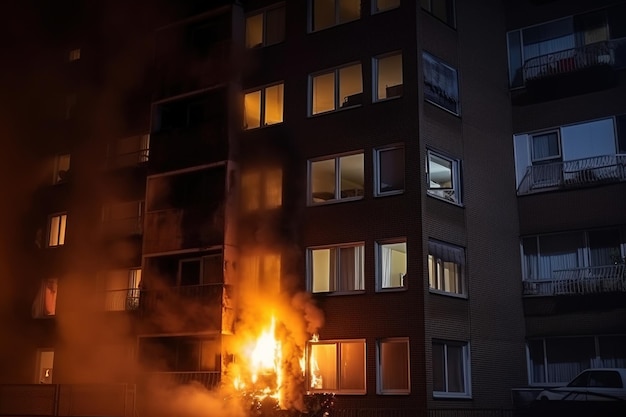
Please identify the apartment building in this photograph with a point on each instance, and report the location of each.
(393, 187)
(566, 73)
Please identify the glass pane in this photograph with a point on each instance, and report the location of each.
(352, 366)
(351, 265)
(254, 31)
(323, 180)
(439, 172)
(190, 272)
(440, 84)
(439, 368)
(391, 167)
(443, 10)
(561, 251)
(456, 377)
(389, 77)
(350, 85)
(604, 247)
(546, 146)
(394, 365)
(323, 366)
(352, 177)
(323, 14)
(392, 264)
(323, 93)
(349, 10)
(322, 273)
(275, 30)
(274, 104)
(252, 110)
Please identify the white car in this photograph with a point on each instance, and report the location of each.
(596, 384)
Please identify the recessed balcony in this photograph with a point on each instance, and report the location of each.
(580, 281)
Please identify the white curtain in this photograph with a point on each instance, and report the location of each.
(385, 266)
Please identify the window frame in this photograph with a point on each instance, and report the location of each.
(338, 103)
(435, 265)
(448, 4)
(61, 231)
(465, 362)
(435, 61)
(380, 367)
(337, 21)
(337, 343)
(264, 37)
(379, 273)
(263, 106)
(378, 192)
(337, 198)
(547, 159)
(334, 277)
(455, 179)
(376, 72)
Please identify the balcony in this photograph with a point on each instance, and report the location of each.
(574, 174)
(121, 300)
(580, 281)
(208, 379)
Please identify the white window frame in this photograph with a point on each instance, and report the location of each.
(338, 180)
(378, 189)
(380, 367)
(450, 194)
(339, 103)
(433, 61)
(265, 41)
(334, 284)
(376, 73)
(263, 106)
(337, 20)
(550, 158)
(56, 239)
(339, 389)
(380, 261)
(394, 4)
(466, 363)
(455, 255)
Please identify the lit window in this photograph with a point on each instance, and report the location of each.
(56, 230)
(261, 271)
(441, 9)
(121, 289)
(61, 168)
(334, 179)
(451, 369)
(328, 13)
(263, 107)
(387, 76)
(383, 5)
(391, 263)
(45, 364)
(393, 366)
(337, 366)
(74, 55)
(45, 302)
(446, 264)
(339, 88)
(261, 189)
(444, 178)
(337, 268)
(265, 28)
(440, 84)
(389, 166)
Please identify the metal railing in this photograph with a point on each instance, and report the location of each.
(209, 379)
(569, 60)
(580, 281)
(572, 174)
(121, 300)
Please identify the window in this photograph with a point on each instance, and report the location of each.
(261, 271)
(558, 360)
(61, 168)
(545, 147)
(265, 28)
(45, 301)
(261, 188)
(333, 179)
(389, 170)
(384, 5)
(336, 268)
(393, 366)
(335, 89)
(441, 9)
(74, 55)
(45, 365)
(446, 264)
(337, 366)
(121, 289)
(440, 84)
(56, 230)
(391, 264)
(201, 271)
(443, 176)
(327, 13)
(263, 107)
(387, 76)
(451, 369)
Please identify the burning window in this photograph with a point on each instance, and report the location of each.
(263, 107)
(337, 366)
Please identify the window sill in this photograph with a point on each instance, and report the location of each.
(391, 289)
(444, 199)
(334, 293)
(451, 396)
(334, 201)
(446, 293)
(388, 193)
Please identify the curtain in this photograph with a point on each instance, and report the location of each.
(385, 266)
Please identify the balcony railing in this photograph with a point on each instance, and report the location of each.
(580, 281)
(574, 174)
(570, 60)
(209, 379)
(121, 300)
